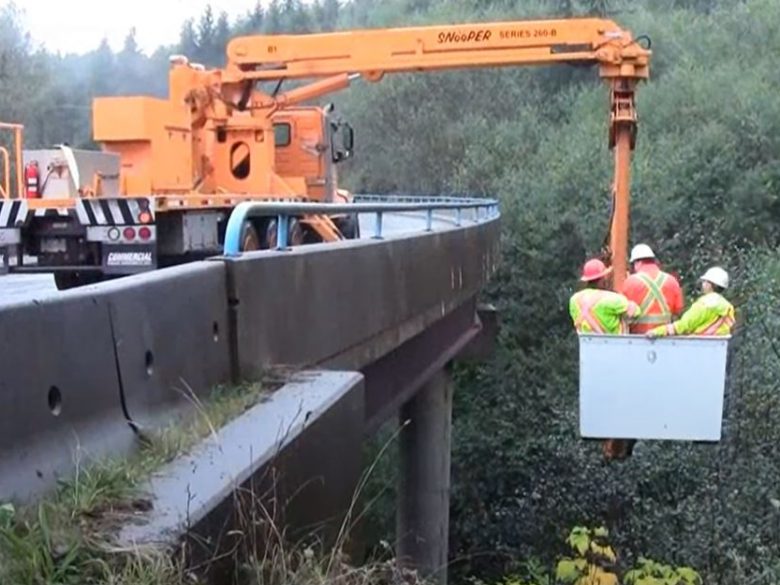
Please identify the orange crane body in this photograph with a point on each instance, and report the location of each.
(622, 61)
(219, 139)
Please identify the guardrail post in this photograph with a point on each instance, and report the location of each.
(378, 226)
(282, 225)
(459, 217)
(429, 221)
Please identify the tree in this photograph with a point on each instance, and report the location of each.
(130, 63)
(206, 35)
(274, 22)
(254, 22)
(102, 70)
(222, 36)
(188, 42)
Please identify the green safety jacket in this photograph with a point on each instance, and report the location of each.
(711, 314)
(601, 311)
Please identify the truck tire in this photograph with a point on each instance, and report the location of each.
(296, 235)
(249, 239)
(66, 280)
(349, 226)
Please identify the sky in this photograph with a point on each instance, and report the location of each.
(77, 26)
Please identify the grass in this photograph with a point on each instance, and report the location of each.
(65, 539)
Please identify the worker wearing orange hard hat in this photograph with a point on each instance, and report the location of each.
(711, 314)
(658, 294)
(596, 309)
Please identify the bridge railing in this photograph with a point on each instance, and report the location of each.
(482, 209)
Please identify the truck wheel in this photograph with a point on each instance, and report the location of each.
(66, 280)
(296, 235)
(249, 239)
(349, 226)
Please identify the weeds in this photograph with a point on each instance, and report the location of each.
(64, 539)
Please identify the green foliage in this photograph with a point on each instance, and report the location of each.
(650, 572)
(66, 539)
(594, 562)
(705, 189)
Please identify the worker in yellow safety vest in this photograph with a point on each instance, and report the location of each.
(596, 309)
(711, 314)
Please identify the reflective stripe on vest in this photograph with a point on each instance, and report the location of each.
(654, 294)
(713, 328)
(586, 314)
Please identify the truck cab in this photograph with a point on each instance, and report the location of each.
(310, 142)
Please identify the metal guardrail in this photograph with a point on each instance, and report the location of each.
(484, 209)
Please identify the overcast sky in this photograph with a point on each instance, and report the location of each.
(79, 25)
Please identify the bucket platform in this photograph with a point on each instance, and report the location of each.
(669, 388)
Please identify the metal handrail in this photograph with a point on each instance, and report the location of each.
(485, 209)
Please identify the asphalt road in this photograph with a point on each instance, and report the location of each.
(15, 288)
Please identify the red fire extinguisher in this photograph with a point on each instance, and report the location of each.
(33, 178)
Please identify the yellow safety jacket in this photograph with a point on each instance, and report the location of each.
(601, 311)
(711, 314)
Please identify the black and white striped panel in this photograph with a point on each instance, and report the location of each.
(121, 211)
(13, 212)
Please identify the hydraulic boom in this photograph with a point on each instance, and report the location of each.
(370, 54)
(171, 170)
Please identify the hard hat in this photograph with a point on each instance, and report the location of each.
(641, 252)
(717, 276)
(594, 269)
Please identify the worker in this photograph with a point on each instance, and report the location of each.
(711, 314)
(657, 293)
(596, 309)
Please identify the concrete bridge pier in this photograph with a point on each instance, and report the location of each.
(422, 521)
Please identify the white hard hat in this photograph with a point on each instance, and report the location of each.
(717, 276)
(641, 252)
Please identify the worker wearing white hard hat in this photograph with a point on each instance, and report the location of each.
(711, 314)
(658, 293)
(641, 252)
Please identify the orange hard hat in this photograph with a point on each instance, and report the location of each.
(594, 269)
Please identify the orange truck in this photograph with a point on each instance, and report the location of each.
(171, 170)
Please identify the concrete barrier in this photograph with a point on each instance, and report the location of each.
(321, 305)
(290, 464)
(60, 391)
(77, 366)
(171, 333)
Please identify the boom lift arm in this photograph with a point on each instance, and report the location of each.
(338, 57)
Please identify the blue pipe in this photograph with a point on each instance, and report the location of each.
(233, 230)
(243, 212)
(282, 224)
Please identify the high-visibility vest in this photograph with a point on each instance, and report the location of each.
(711, 314)
(654, 308)
(600, 311)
